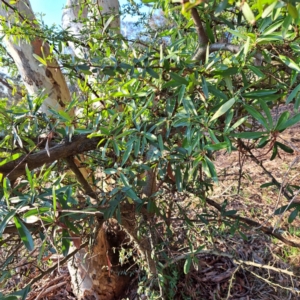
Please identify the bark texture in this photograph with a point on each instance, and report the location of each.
(35, 76)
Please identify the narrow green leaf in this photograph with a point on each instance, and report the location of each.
(284, 208)
(284, 147)
(216, 147)
(181, 93)
(187, 265)
(267, 184)
(292, 10)
(137, 144)
(257, 115)
(248, 135)
(290, 63)
(116, 148)
(152, 73)
(178, 78)
(269, 10)
(290, 122)
(29, 178)
(5, 221)
(10, 158)
(151, 137)
(65, 242)
(54, 199)
(267, 111)
(259, 93)
(204, 87)
(223, 109)
(178, 179)
(127, 152)
(293, 215)
(42, 61)
(274, 152)
(24, 234)
(248, 14)
(293, 94)
(212, 169)
(256, 71)
(36, 211)
(246, 46)
(282, 120)
(6, 188)
(107, 23)
(160, 143)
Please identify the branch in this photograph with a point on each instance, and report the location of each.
(267, 230)
(202, 36)
(86, 186)
(79, 144)
(225, 47)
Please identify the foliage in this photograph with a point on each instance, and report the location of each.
(152, 108)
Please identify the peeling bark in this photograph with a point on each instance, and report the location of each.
(35, 76)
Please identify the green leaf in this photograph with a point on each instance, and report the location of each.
(274, 152)
(178, 78)
(152, 73)
(284, 208)
(257, 116)
(290, 122)
(212, 169)
(204, 87)
(116, 147)
(223, 109)
(269, 10)
(293, 94)
(181, 93)
(248, 14)
(187, 265)
(107, 23)
(189, 106)
(36, 211)
(127, 152)
(171, 102)
(5, 221)
(42, 61)
(282, 120)
(259, 93)
(286, 24)
(54, 199)
(267, 184)
(6, 188)
(293, 215)
(216, 147)
(267, 111)
(284, 147)
(65, 242)
(292, 10)
(151, 137)
(256, 71)
(222, 5)
(290, 63)
(229, 213)
(29, 178)
(10, 158)
(24, 234)
(248, 135)
(178, 178)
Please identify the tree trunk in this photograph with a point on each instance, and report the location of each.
(95, 271)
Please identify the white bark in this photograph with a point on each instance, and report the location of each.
(71, 16)
(35, 76)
